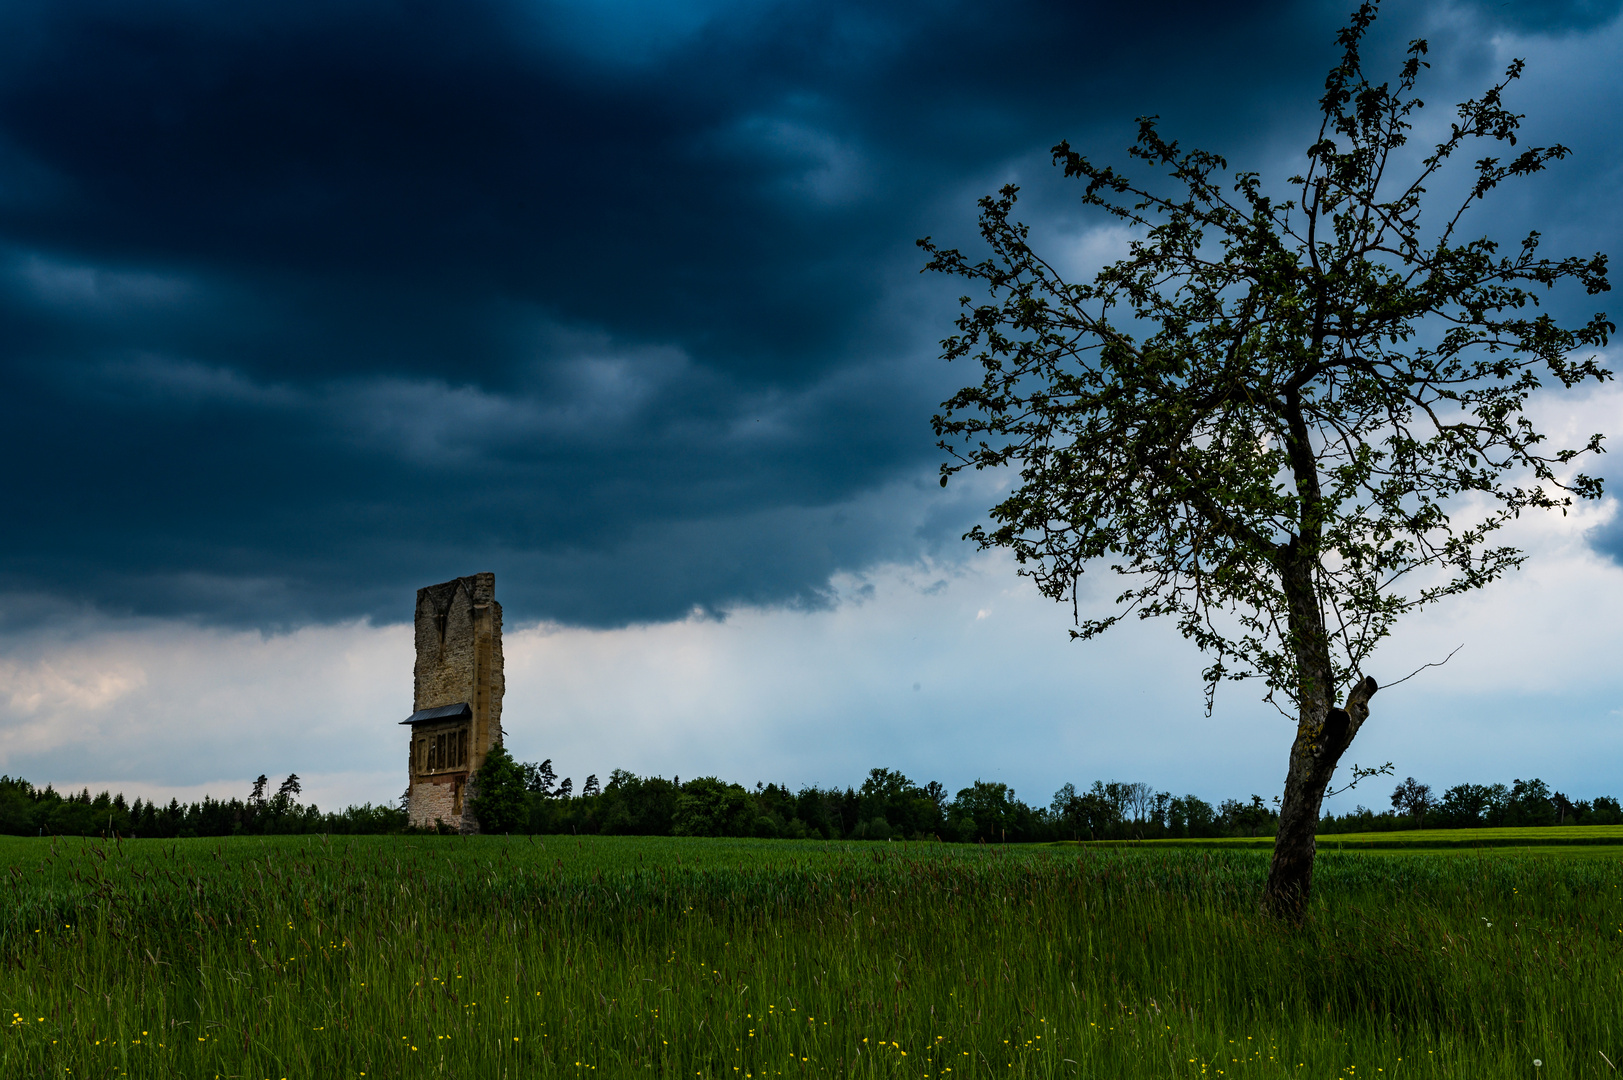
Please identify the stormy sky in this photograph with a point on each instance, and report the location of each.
(303, 306)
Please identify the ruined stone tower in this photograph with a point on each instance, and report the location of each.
(457, 698)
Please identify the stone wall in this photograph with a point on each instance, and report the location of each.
(459, 659)
(431, 803)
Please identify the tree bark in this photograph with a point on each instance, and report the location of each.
(1323, 733)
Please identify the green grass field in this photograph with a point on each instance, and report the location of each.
(600, 956)
(1567, 838)
(1538, 836)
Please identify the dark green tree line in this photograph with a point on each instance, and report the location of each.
(886, 806)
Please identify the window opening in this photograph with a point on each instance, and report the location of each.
(442, 750)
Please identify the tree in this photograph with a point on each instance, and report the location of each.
(638, 805)
(884, 794)
(1604, 810)
(1465, 805)
(1529, 803)
(498, 803)
(1092, 813)
(1286, 419)
(986, 810)
(906, 808)
(1140, 798)
(1413, 799)
(1245, 819)
(1192, 816)
(539, 778)
(711, 807)
(1063, 811)
(287, 794)
(1159, 808)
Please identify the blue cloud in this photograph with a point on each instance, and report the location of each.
(302, 304)
(1550, 16)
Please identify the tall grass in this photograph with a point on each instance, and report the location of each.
(488, 957)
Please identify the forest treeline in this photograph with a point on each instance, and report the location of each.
(26, 810)
(528, 797)
(890, 806)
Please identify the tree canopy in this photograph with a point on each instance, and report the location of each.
(498, 796)
(1289, 415)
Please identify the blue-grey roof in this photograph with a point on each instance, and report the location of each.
(460, 711)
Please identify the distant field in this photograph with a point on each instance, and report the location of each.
(298, 957)
(1551, 838)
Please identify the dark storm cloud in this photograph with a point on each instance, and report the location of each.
(1608, 538)
(303, 305)
(1549, 16)
(737, 190)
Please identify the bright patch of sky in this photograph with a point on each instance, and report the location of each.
(950, 672)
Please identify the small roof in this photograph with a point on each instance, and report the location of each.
(460, 711)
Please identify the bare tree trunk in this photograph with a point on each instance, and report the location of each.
(1314, 755)
(1323, 733)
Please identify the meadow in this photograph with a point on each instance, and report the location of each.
(385, 956)
(1550, 838)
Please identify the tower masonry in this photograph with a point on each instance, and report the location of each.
(457, 698)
